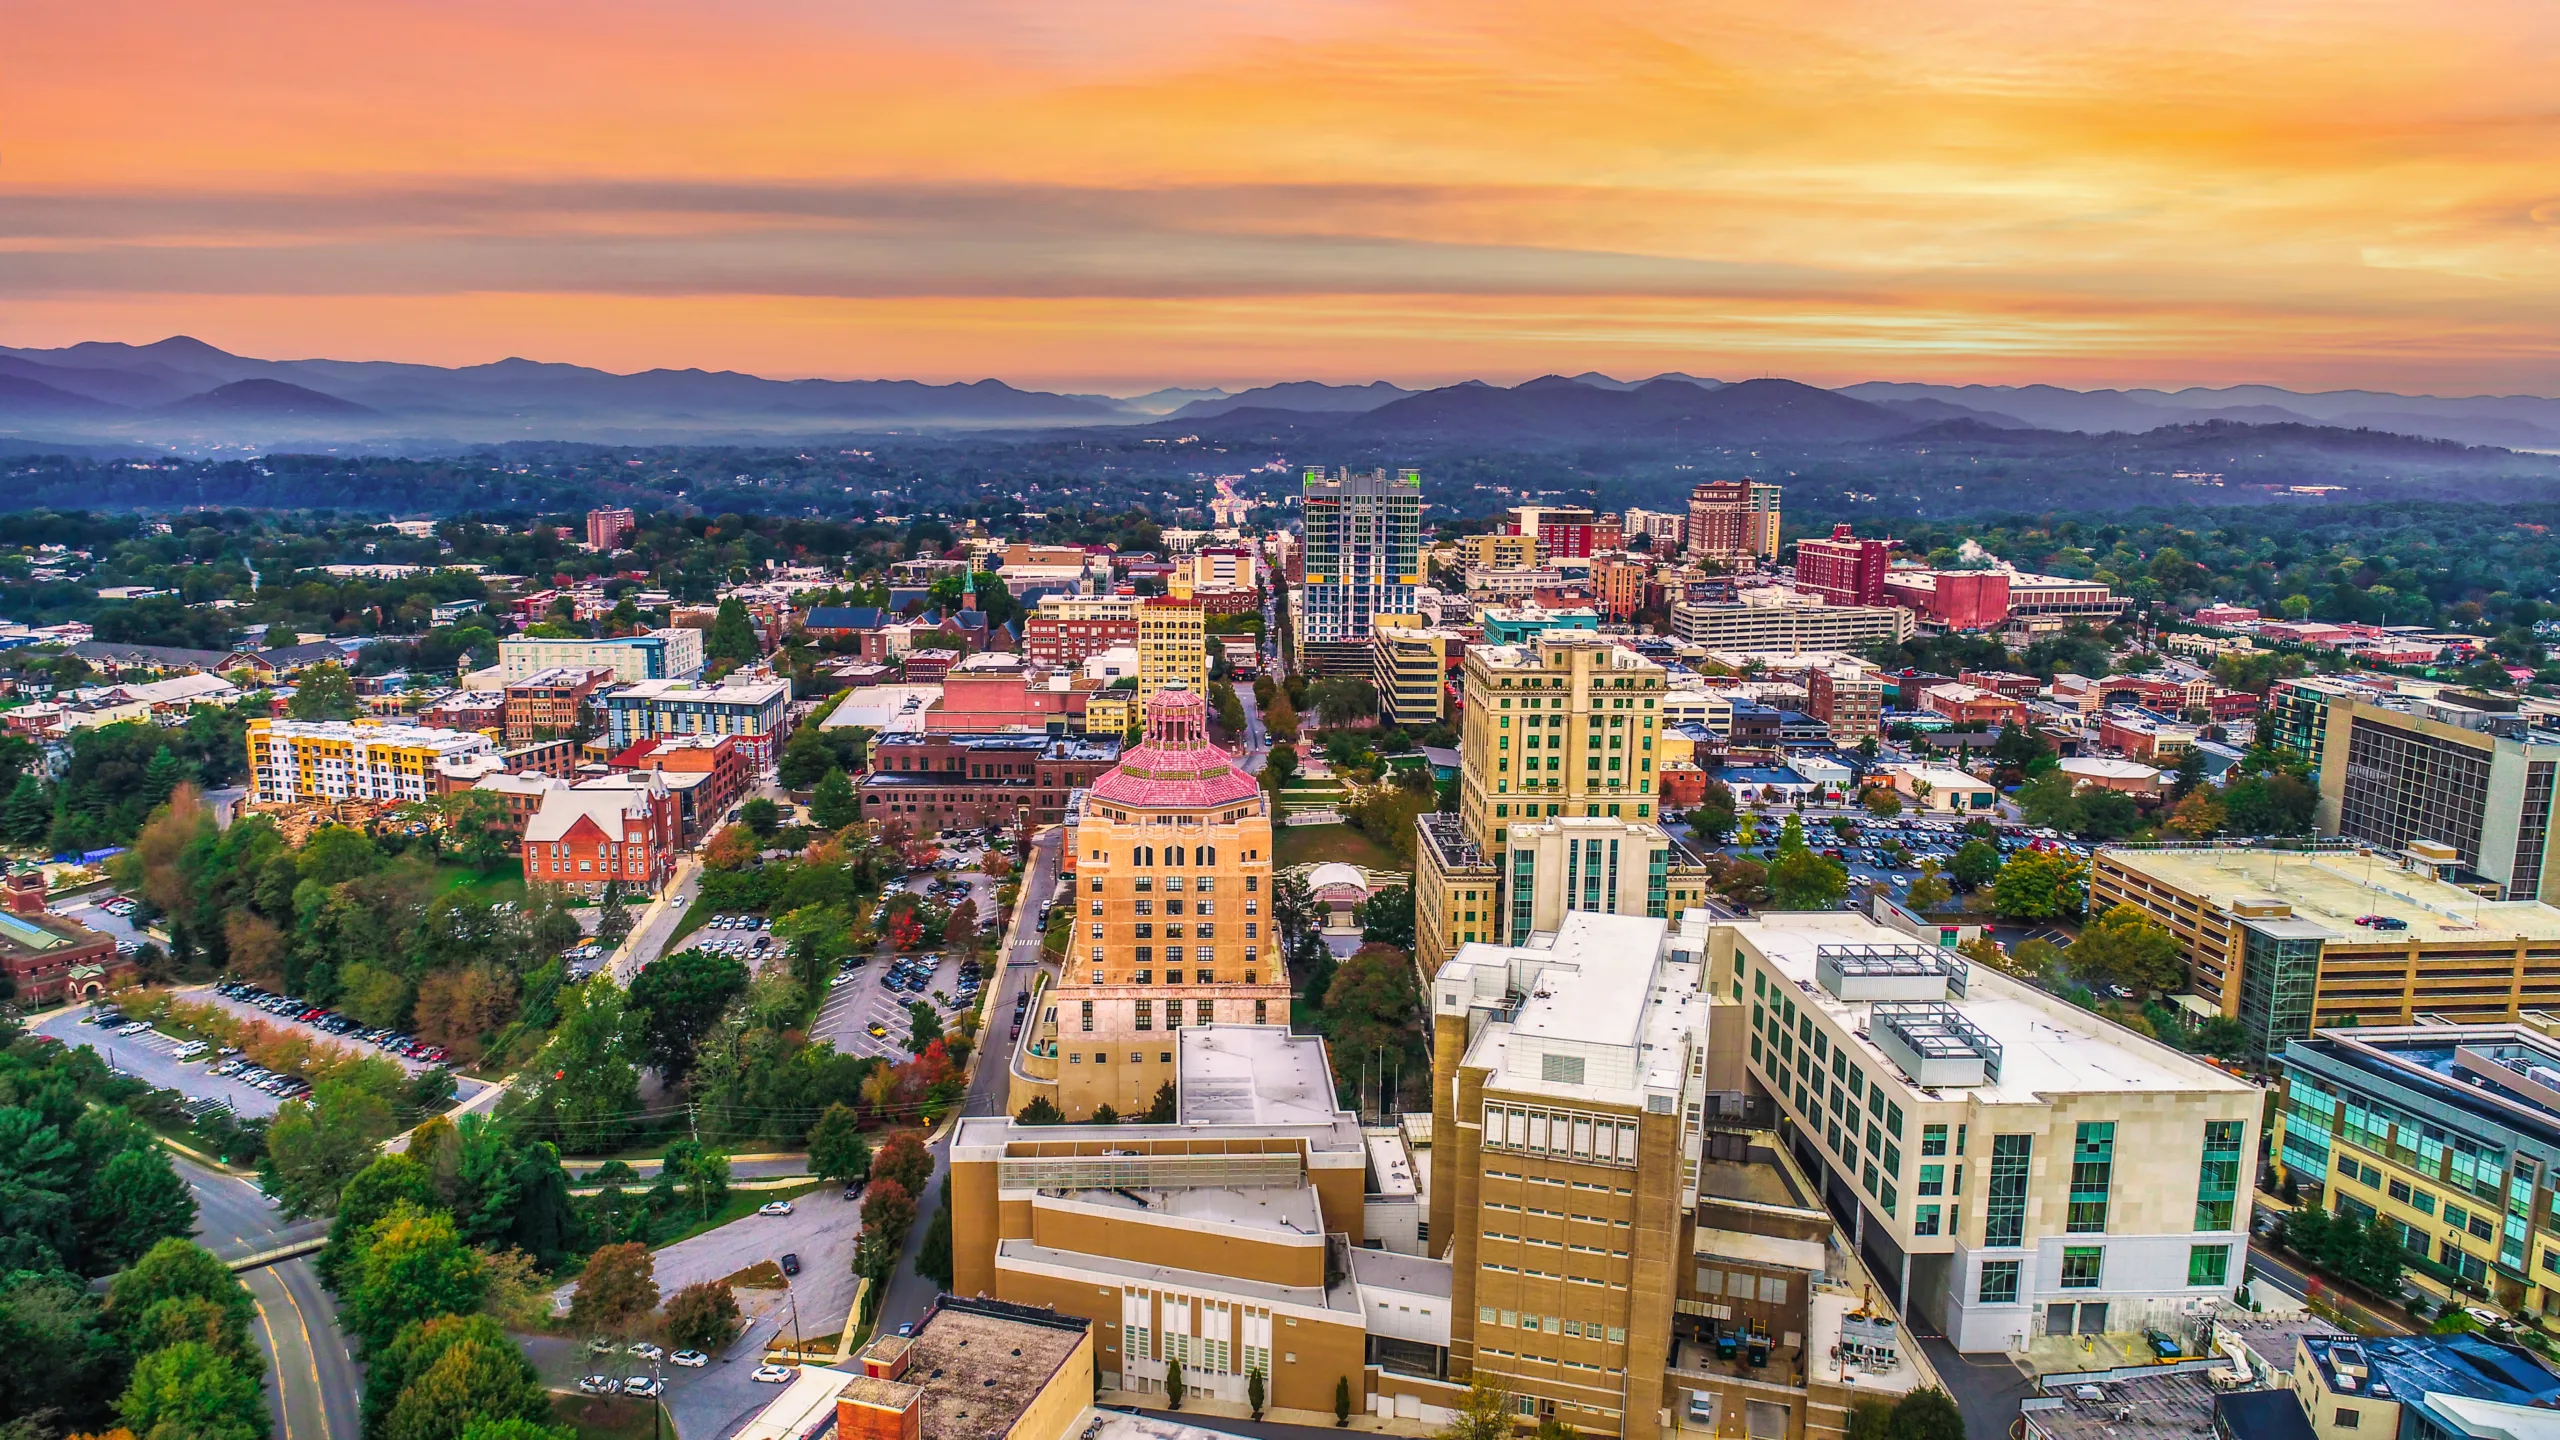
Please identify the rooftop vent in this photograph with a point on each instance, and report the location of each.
(1934, 1043)
(1889, 972)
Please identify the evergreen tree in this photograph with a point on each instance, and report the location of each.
(164, 774)
(732, 636)
(27, 814)
(834, 805)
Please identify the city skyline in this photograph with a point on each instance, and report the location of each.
(1146, 193)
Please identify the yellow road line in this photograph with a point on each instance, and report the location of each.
(312, 1351)
(282, 1407)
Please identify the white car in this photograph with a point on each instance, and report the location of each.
(643, 1385)
(772, 1375)
(599, 1385)
(689, 1359)
(643, 1350)
(774, 1207)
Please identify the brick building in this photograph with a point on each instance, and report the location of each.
(554, 703)
(943, 781)
(1064, 631)
(1733, 520)
(47, 957)
(708, 774)
(1843, 569)
(616, 827)
(1848, 699)
(1618, 585)
(607, 530)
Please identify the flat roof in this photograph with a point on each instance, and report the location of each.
(810, 1395)
(980, 1371)
(2332, 888)
(1253, 1075)
(1340, 1299)
(2047, 1045)
(1755, 1249)
(1282, 1209)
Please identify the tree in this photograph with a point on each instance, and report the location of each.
(933, 1255)
(2040, 885)
(733, 848)
(324, 692)
(2108, 814)
(2278, 804)
(700, 1171)
(1975, 864)
(1928, 891)
(1041, 1111)
(702, 1316)
(732, 636)
(2197, 816)
(1341, 1401)
(761, 816)
(1386, 918)
(1103, 1114)
(1173, 1385)
(960, 930)
(903, 1159)
(1925, 1415)
(1802, 880)
(613, 917)
(1484, 1413)
(176, 1271)
(2126, 946)
(192, 1392)
(1278, 769)
(1164, 1108)
(1881, 802)
(2051, 800)
(618, 1286)
(889, 1208)
(315, 1146)
(923, 1027)
(584, 1086)
(1372, 1014)
(837, 1150)
(415, 1267)
(479, 1377)
(388, 1181)
(28, 813)
(679, 998)
(134, 1202)
(479, 828)
(1253, 1391)
(834, 805)
(515, 1428)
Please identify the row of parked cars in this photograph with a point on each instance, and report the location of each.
(322, 1018)
(258, 1077)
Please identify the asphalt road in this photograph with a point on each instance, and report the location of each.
(655, 925)
(989, 1087)
(314, 1388)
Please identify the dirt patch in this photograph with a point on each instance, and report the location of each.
(763, 1275)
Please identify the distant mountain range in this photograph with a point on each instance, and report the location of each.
(183, 394)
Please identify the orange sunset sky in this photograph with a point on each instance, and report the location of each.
(1127, 193)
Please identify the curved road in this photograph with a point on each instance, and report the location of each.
(315, 1387)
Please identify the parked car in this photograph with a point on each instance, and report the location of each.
(644, 1386)
(599, 1385)
(774, 1207)
(689, 1359)
(772, 1375)
(643, 1350)
(790, 1264)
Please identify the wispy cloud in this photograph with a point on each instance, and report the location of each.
(2356, 192)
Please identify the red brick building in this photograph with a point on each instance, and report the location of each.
(1971, 704)
(943, 781)
(1566, 533)
(608, 529)
(1064, 631)
(1952, 599)
(2003, 682)
(552, 703)
(48, 957)
(1618, 586)
(708, 774)
(617, 827)
(1843, 569)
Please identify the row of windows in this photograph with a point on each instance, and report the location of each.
(2084, 1268)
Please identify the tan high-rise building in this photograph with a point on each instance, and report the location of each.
(1173, 919)
(1733, 520)
(1564, 727)
(1173, 647)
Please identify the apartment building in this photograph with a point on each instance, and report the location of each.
(308, 761)
(2299, 710)
(1064, 631)
(2285, 941)
(1498, 583)
(1733, 521)
(659, 655)
(1562, 532)
(2106, 1169)
(609, 529)
(624, 828)
(752, 710)
(1849, 699)
(1843, 569)
(1363, 551)
(1619, 583)
(2448, 1134)
(2460, 770)
(1986, 599)
(1412, 669)
(706, 773)
(1518, 624)
(1748, 625)
(554, 703)
(1173, 648)
(1169, 838)
(1505, 550)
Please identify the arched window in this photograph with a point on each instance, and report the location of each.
(1208, 856)
(1172, 855)
(1143, 855)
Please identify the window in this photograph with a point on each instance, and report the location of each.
(1146, 1014)
(2080, 1266)
(2093, 1151)
(1088, 1016)
(2218, 1177)
(2005, 1218)
(1999, 1283)
(1933, 1179)
(1933, 1139)
(2208, 1264)
(2349, 1419)
(1924, 1220)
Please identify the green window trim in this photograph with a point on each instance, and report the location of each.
(2083, 1266)
(2209, 1265)
(2004, 1222)
(2093, 1150)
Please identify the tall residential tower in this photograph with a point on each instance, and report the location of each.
(1363, 560)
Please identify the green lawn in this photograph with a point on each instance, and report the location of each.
(503, 883)
(1314, 844)
(607, 1417)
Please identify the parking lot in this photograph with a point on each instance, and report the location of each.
(865, 1000)
(347, 1041)
(1864, 851)
(152, 1058)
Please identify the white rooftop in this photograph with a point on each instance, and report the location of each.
(1253, 1075)
(1289, 1210)
(885, 707)
(2048, 1046)
(1613, 999)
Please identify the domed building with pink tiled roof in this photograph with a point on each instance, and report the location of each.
(1172, 927)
